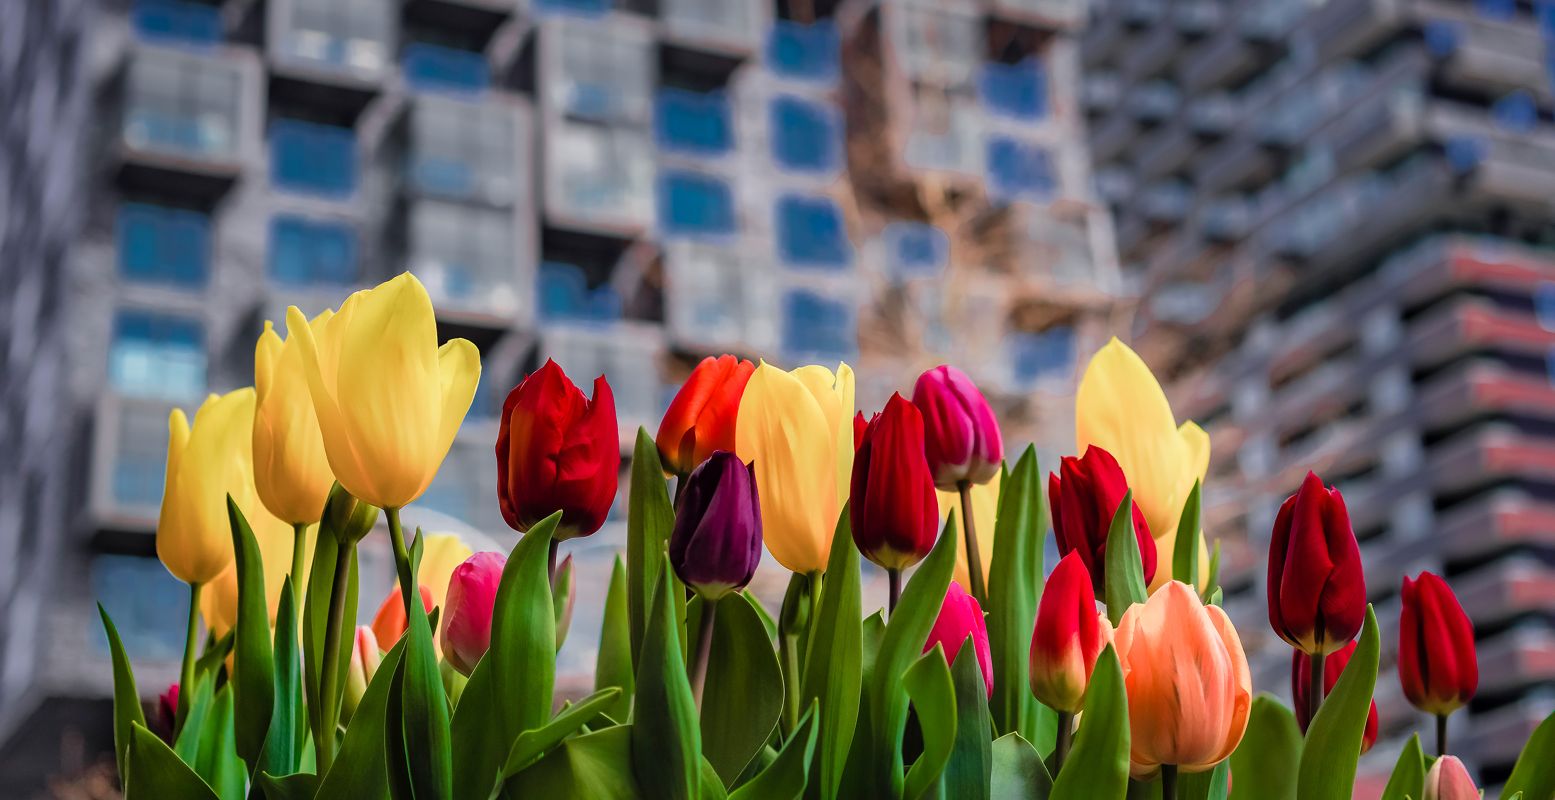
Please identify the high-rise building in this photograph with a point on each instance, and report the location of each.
(622, 185)
(1340, 218)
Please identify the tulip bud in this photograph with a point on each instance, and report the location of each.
(564, 598)
(1068, 637)
(1301, 688)
(962, 439)
(961, 616)
(291, 470)
(716, 543)
(1189, 689)
(1448, 779)
(1317, 588)
(167, 712)
(389, 623)
(1437, 665)
(557, 451)
(701, 418)
(206, 463)
(892, 506)
(1083, 502)
(365, 657)
(859, 424)
(472, 599)
(349, 518)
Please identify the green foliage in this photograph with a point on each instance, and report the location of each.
(1534, 775)
(649, 520)
(154, 771)
(1018, 770)
(423, 742)
(127, 712)
(1097, 766)
(1265, 763)
(833, 671)
(933, 695)
(613, 666)
(971, 760)
(1185, 551)
(1408, 778)
(1125, 581)
(786, 776)
(253, 679)
(533, 744)
(1333, 745)
(743, 694)
(360, 769)
(1014, 586)
(665, 733)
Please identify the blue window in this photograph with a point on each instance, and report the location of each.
(157, 355)
(584, 7)
(805, 135)
(434, 68)
(818, 327)
(1015, 90)
(163, 245)
(915, 249)
(149, 606)
(172, 20)
(1546, 13)
(804, 52)
(1500, 10)
(693, 122)
(1516, 112)
(693, 204)
(139, 457)
(306, 252)
(1046, 354)
(564, 295)
(313, 158)
(1019, 169)
(810, 233)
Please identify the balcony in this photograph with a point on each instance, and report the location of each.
(1049, 14)
(719, 299)
(729, 28)
(599, 178)
(600, 71)
(936, 44)
(1339, 30)
(473, 260)
(472, 152)
(129, 462)
(819, 325)
(1226, 58)
(806, 53)
(330, 55)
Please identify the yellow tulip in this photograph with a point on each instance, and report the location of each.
(797, 428)
(290, 467)
(388, 399)
(219, 598)
(985, 507)
(1120, 408)
(204, 465)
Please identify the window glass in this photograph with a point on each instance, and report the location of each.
(818, 327)
(182, 104)
(693, 204)
(433, 68)
(163, 245)
(804, 52)
(464, 254)
(463, 150)
(157, 355)
(693, 122)
(805, 135)
(139, 457)
(810, 233)
(312, 158)
(306, 252)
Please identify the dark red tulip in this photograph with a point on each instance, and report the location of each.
(1437, 665)
(557, 451)
(1084, 496)
(892, 504)
(962, 438)
(859, 424)
(716, 543)
(1317, 588)
(1301, 683)
(701, 418)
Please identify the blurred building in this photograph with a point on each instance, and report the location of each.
(622, 185)
(1342, 218)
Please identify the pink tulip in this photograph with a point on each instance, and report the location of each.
(472, 597)
(959, 617)
(1449, 780)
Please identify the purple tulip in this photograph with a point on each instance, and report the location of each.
(716, 543)
(961, 435)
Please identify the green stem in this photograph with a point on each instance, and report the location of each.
(1314, 685)
(1065, 736)
(1168, 782)
(401, 559)
(790, 668)
(329, 709)
(299, 550)
(974, 561)
(1441, 733)
(186, 671)
(893, 578)
(704, 649)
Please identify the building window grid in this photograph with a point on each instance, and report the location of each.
(163, 245)
(157, 355)
(184, 106)
(463, 151)
(351, 33)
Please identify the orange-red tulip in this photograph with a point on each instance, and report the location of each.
(701, 418)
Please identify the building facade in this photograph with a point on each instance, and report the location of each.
(1342, 219)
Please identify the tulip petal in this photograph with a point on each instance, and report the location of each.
(459, 372)
(321, 357)
(206, 463)
(440, 554)
(796, 477)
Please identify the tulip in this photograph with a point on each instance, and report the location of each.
(1317, 588)
(1301, 688)
(961, 435)
(700, 419)
(892, 507)
(441, 553)
(1189, 689)
(1068, 637)
(204, 465)
(985, 506)
(290, 468)
(1448, 779)
(796, 428)
(389, 399)
(167, 713)
(348, 519)
(558, 451)
(1119, 407)
(1437, 665)
(716, 543)
(859, 424)
(472, 599)
(389, 623)
(365, 658)
(961, 616)
(1083, 502)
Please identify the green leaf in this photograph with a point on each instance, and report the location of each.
(253, 681)
(833, 676)
(666, 738)
(187, 744)
(563, 593)
(214, 657)
(509, 691)
(315, 621)
(1097, 765)
(793, 635)
(155, 771)
(1185, 553)
(711, 787)
(649, 520)
(613, 666)
(1018, 770)
(1334, 737)
(126, 698)
(1125, 579)
(283, 743)
(533, 744)
(1408, 778)
(1014, 585)
(971, 761)
(424, 710)
(596, 765)
(743, 694)
(217, 760)
(766, 619)
(905, 632)
(359, 770)
(1264, 764)
(1212, 583)
(302, 786)
(786, 777)
(933, 695)
(1207, 785)
(1534, 774)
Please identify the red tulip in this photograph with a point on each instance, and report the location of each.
(962, 439)
(472, 598)
(389, 623)
(167, 712)
(1437, 665)
(1317, 588)
(1083, 502)
(892, 504)
(557, 451)
(961, 616)
(1068, 637)
(701, 418)
(1301, 684)
(859, 424)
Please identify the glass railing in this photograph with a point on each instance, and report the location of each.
(563, 295)
(429, 67)
(602, 173)
(149, 606)
(313, 158)
(175, 21)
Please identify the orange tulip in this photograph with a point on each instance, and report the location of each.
(1189, 689)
